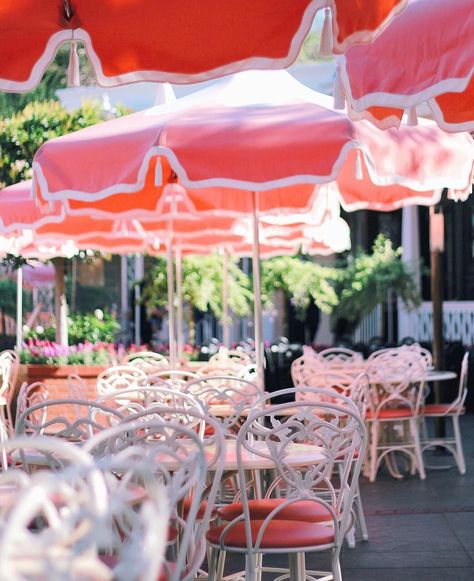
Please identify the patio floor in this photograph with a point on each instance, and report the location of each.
(419, 530)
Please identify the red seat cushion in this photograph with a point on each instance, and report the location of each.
(437, 409)
(303, 510)
(279, 534)
(390, 414)
(201, 509)
(112, 560)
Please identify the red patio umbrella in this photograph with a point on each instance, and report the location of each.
(177, 41)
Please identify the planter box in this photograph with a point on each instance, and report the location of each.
(55, 377)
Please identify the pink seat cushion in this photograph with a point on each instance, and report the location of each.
(279, 534)
(303, 510)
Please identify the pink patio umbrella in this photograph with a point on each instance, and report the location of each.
(253, 132)
(253, 143)
(35, 276)
(156, 41)
(18, 209)
(321, 232)
(425, 56)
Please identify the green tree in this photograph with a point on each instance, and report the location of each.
(54, 78)
(300, 280)
(203, 283)
(366, 279)
(22, 134)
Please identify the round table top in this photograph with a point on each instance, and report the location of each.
(296, 455)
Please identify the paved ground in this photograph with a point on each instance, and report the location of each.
(419, 530)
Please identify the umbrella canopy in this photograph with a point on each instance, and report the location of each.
(426, 55)
(321, 231)
(38, 275)
(180, 42)
(18, 209)
(252, 132)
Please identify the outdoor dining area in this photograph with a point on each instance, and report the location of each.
(123, 459)
(166, 471)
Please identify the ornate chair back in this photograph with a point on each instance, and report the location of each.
(180, 460)
(328, 431)
(227, 397)
(120, 377)
(341, 358)
(148, 361)
(66, 509)
(72, 419)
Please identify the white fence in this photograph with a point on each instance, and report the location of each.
(458, 322)
(369, 327)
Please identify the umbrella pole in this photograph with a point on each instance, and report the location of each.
(179, 295)
(225, 300)
(436, 249)
(19, 308)
(138, 294)
(258, 321)
(171, 321)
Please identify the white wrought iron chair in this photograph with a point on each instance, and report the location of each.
(396, 393)
(9, 367)
(313, 513)
(451, 410)
(120, 377)
(304, 367)
(175, 378)
(342, 358)
(335, 383)
(50, 523)
(28, 395)
(148, 361)
(235, 356)
(145, 401)
(228, 398)
(180, 460)
(69, 419)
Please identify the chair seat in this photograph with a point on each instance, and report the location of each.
(111, 561)
(303, 510)
(279, 534)
(440, 409)
(201, 509)
(390, 414)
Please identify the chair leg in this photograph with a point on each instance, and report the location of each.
(458, 442)
(296, 566)
(336, 566)
(350, 538)
(250, 574)
(220, 565)
(374, 431)
(212, 564)
(360, 515)
(416, 441)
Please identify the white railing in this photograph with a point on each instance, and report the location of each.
(458, 321)
(369, 327)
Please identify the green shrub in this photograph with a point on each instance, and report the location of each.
(82, 328)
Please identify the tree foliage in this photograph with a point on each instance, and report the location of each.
(367, 279)
(202, 286)
(300, 280)
(54, 78)
(23, 134)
